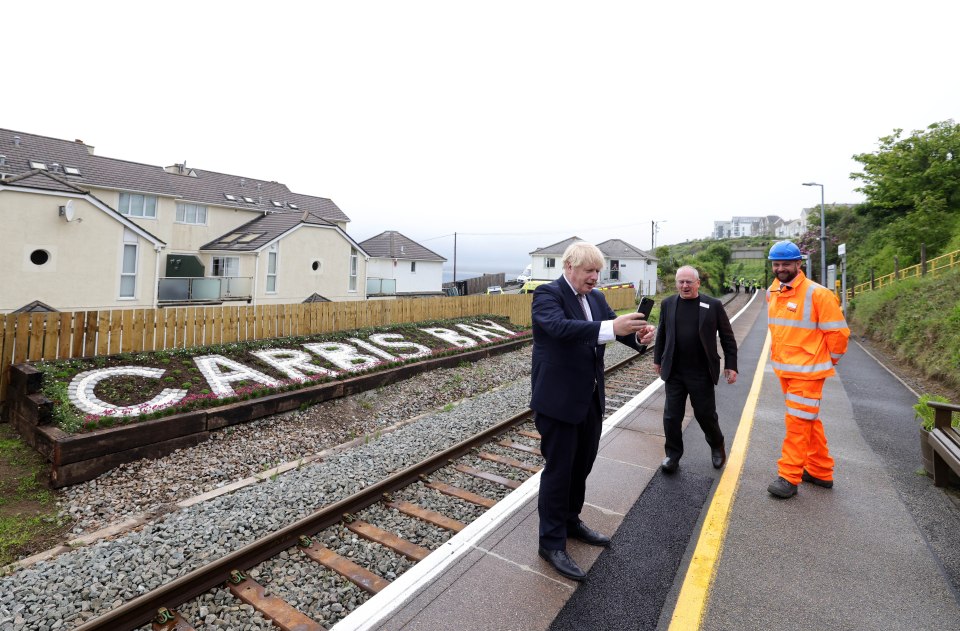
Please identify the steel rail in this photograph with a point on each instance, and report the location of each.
(143, 609)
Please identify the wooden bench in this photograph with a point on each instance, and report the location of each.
(945, 440)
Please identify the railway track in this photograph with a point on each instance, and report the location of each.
(476, 472)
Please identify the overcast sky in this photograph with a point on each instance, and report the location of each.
(514, 124)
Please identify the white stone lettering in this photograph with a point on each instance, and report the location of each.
(490, 324)
(210, 366)
(388, 340)
(452, 337)
(291, 362)
(80, 392)
(379, 352)
(483, 334)
(342, 355)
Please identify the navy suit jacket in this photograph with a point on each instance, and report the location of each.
(567, 361)
(713, 320)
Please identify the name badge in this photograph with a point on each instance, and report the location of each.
(704, 305)
(791, 306)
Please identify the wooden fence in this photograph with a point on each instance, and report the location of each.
(38, 336)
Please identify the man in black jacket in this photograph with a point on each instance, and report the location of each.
(686, 358)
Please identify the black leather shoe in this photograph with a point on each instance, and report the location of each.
(670, 465)
(719, 456)
(562, 563)
(584, 533)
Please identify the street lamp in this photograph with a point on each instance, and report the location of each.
(823, 236)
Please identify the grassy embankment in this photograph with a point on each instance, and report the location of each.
(917, 320)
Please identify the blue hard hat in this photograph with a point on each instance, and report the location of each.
(784, 251)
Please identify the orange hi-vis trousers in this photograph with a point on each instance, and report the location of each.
(805, 445)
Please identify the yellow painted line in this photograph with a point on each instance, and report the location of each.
(695, 591)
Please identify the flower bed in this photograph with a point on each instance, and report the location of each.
(74, 411)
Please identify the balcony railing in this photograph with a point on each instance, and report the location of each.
(208, 289)
(381, 286)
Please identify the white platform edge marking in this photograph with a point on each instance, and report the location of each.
(382, 605)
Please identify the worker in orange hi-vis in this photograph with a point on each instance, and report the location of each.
(809, 336)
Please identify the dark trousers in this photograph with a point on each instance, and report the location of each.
(699, 387)
(569, 450)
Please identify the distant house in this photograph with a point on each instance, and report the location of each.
(399, 266)
(628, 264)
(622, 263)
(81, 231)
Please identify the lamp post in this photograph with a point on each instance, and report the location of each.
(823, 236)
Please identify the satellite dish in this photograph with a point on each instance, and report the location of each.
(68, 212)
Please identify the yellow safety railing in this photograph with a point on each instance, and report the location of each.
(934, 266)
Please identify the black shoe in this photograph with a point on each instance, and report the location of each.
(827, 484)
(562, 563)
(670, 465)
(582, 532)
(718, 455)
(782, 489)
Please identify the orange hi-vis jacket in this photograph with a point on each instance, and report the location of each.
(807, 327)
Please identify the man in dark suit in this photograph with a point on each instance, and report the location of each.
(571, 325)
(685, 357)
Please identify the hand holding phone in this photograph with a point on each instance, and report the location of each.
(645, 307)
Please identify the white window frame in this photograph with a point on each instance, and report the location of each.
(130, 244)
(550, 263)
(352, 286)
(184, 210)
(129, 202)
(272, 264)
(220, 266)
(413, 267)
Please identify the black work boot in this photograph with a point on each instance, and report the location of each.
(782, 489)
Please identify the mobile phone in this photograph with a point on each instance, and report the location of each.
(645, 307)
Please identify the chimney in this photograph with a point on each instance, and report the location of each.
(242, 181)
(16, 141)
(306, 213)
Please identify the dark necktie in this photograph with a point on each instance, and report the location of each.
(583, 305)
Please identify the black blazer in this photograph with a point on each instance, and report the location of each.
(713, 321)
(566, 358)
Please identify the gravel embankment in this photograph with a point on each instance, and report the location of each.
(75, 586)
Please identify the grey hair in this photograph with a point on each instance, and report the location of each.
(693, 269)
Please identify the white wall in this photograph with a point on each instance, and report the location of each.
(428, 276)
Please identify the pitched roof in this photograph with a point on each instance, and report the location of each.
(556, 248)
(393, 245)
(19, 149)
(43, 180)
(263, 229)
(616, 248)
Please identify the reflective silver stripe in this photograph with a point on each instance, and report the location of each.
(801, 367)
(840, 324)
(809, 416)
(836, 355)
(814, 403)
(797, 324)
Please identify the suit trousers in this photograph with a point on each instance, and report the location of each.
(699, 387)
(570, 450)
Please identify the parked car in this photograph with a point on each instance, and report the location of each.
(524, 275)
(530, 285)
(494, 289)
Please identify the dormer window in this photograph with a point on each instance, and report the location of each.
(35, 164)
